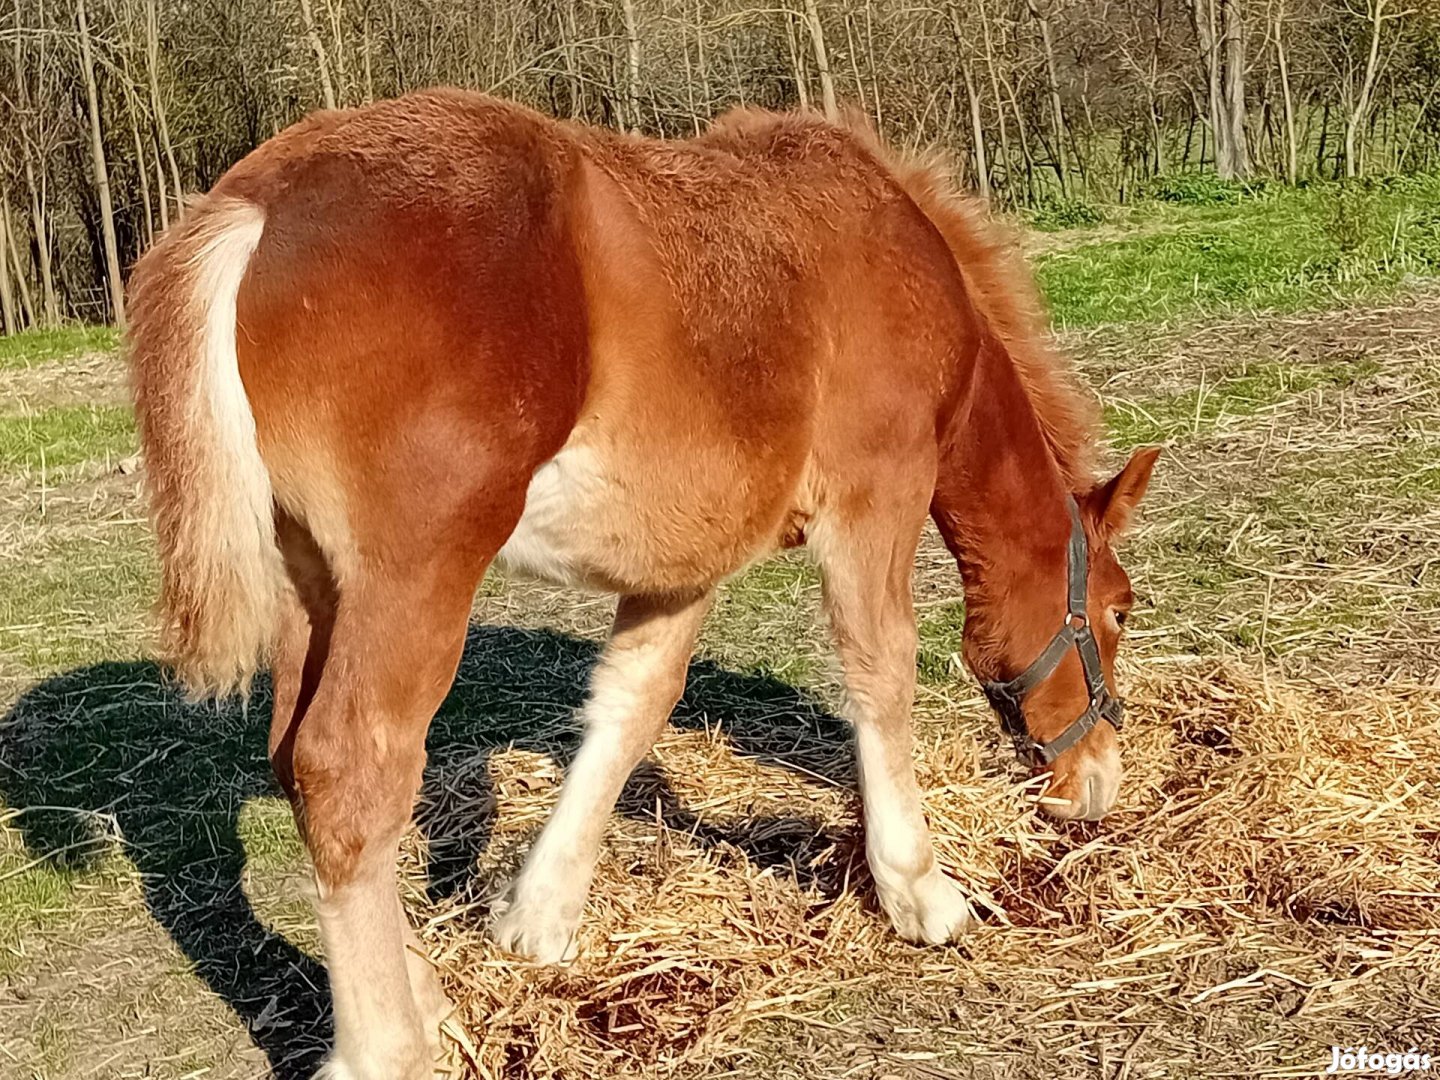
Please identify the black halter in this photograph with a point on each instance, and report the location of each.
(1006, 697)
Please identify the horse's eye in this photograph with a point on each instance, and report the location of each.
(1120, 617)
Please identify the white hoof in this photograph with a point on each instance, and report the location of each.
(335, 1068)
(543, 932)
(931, 910)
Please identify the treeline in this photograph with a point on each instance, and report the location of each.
(112, 110)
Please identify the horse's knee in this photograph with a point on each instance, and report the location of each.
(353, 788)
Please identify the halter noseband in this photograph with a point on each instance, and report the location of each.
(1006, 697)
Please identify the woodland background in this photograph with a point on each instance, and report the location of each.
(112, 110)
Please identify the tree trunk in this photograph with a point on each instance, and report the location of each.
(157, 106)
(982, 170)
(27, 306)
(1287, 99)
(1222, 54)
(822, 62)
(7, 295)
(100, 170)
(991, 69)
(874, 71)
(1362, 102)
(50, 304)
(160, 190)
(1025, 152)
(142, 171)
(342, 76)
(1157, 133)
(1202, 13)
(1057, 111)
(327, 86)
(632, 63)
(1232, 22)
(977, 127)
(796, 65)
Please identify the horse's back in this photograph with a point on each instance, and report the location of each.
(659, 352)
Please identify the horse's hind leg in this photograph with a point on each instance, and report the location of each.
(865, 569)
(632, 691)
(360, 670)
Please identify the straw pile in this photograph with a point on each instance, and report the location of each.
(1273, 872)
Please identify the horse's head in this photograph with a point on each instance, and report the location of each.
(1044, 646)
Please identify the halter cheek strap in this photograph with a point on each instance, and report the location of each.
(1007, 698)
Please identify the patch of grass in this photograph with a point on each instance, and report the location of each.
(64, 436)
(1204, 408)
(763, 620)
(27, 893)
(267, 830)
(1293, 249)
(941, 632)
(35, 347)
(1202, 188)
(78, 598)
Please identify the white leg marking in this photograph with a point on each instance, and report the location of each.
(378, 1032)
(636, 684)
(867, 595)
(923, 904)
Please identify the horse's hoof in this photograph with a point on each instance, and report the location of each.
(932, 910)
(536, 932)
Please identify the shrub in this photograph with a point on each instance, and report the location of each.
(1420, 241)
(1203, 189)
(1055, 214)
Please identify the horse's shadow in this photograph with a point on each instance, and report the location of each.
(111, 751)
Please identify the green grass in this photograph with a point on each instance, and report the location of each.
(83, 599)
(64, 436)
(35, 347)
(1204, 408)
(941, 630)
(1284, 249)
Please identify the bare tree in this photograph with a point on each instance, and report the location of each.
(1376, 16)
(7, 294)
(27, 305)
(1041, 97)
(822, 61)
(632, 63)
(1287, 97)
(1220, 33)
(327, 85)
(157, 106)
(38, 219)
(1057, 108)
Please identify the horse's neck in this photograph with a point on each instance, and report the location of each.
(999, 495)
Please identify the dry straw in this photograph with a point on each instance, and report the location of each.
(1271, 876)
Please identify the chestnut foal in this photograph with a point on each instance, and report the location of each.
(399, 342)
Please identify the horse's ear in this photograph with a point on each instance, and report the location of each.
(1114, 501)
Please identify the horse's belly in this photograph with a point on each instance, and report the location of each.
(591, 523)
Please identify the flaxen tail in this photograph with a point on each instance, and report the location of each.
(210, 496)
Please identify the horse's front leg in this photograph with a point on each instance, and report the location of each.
(866, 571)
(639, 679)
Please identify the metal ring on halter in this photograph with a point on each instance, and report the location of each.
(1007, 698)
